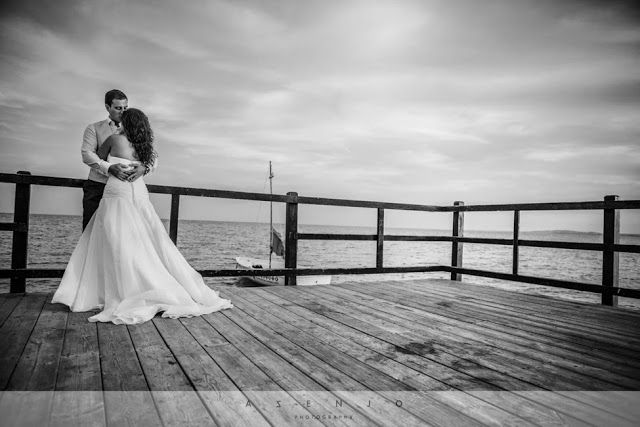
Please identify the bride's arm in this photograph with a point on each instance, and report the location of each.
(117, 170)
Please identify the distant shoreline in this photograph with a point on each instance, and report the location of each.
(560, 231)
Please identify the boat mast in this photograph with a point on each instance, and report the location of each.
(270, 213)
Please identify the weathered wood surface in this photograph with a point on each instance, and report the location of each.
(420, 352)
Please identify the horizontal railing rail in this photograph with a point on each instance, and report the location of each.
(556, 206)
(52, 273)
(479, 240)
(225, 194)
(578, 286)
(610, 247)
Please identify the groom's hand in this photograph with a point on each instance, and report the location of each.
(137, 172)
(119, 171)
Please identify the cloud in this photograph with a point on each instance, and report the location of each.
(551, 156)
(384, 99)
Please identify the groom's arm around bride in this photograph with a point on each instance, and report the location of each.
(115, 102)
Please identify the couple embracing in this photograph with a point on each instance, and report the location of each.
(125, 264)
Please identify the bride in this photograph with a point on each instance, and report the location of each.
(125, 263)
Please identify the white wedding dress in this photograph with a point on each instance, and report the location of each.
(126, 265)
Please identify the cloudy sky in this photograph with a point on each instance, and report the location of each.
(419, 101)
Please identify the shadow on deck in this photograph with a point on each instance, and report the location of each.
(421, 352)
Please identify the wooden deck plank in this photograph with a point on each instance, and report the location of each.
(553, 327)
(244, 374)
(8, 303)
(510, 409)
(440, 411)
(539, 308)
(624, 404)
(26, 408)
(77, 408)
(573, 308)
(80, 360)
(410, 342)
(78, 399)
(563, 368)
(324, 373)
(527, 332)
(497, 319)
(385, 364)
(171, 390)
(283, 373)
(530, 409)
(36, 372)
(297, 335)
(128, 400)
(37, 368)
(203, 372)
(349, 363)
(130, 408)
(245, 350)
(363, 374)
(444, 375)
(515, 405)
(595, 324)
(565, 375)
(15, 332)
(579, 410)
(161, 370)
(550, 345)
(384, 353)
(415, 342)
(121, 370)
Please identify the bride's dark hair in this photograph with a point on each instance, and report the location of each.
(138, 131)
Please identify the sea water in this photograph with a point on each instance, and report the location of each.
(215, 245)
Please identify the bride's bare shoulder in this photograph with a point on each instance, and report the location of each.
(116, 139)
(111, 143)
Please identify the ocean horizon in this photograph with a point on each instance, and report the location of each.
(482, 230)
(208, 244)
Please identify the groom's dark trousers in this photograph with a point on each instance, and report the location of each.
(91, 200)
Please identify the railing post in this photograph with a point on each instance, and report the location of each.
(173, 221)
(516, 237)
(291, 237)
(20, 237)
(610, 258)
(380, 243)
(458, 231)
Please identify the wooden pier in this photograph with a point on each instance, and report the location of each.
(403, 353)
(610, 246)
(419, 352)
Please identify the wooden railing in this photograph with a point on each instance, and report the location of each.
(610, 247)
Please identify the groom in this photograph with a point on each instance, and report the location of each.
(95, 134)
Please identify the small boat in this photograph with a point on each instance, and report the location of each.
(263, 264)
(277, 263)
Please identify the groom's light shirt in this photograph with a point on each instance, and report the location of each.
(94, 135)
